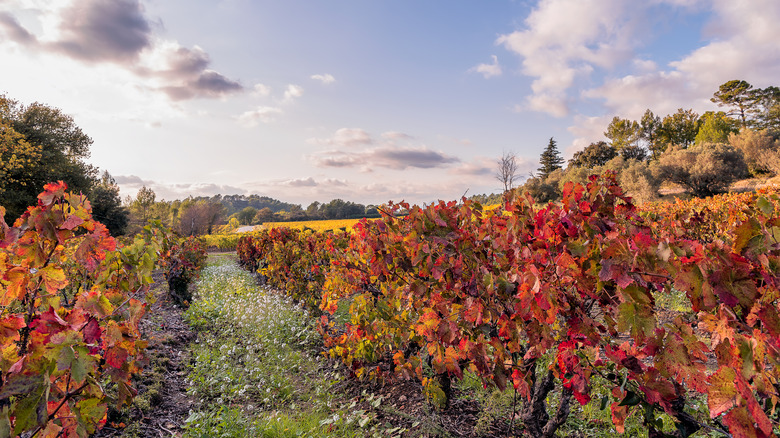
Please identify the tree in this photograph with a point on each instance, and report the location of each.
(264, 215)
(595, 154)
(541, 190)
(622, 132)
(715, 128)
(649, 128)
(246, 216)
(142, 205)
(640, 181)
(59, 149)
(737, 95)
(705, 169)
(767, 109)
(198, 216)
(550, 159)
(507, 170)
(679, 128)
(107, 205)
(625, 135)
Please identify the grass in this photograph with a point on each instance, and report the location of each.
(253, 373)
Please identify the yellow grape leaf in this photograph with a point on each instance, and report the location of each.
(53, 278)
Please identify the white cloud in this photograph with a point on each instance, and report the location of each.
(554, 104)
(345, 137)
(325, 79)
(586, 131)
(302, 182)
(742, 45)
(564, 39)
(130, 184)
(261, 90)
(292, 92)
(264, 114)
(488, 70)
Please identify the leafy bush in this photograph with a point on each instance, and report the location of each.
(183, 262)
(704, 170)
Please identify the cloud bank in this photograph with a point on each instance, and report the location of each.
(119, 32)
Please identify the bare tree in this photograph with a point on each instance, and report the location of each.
(507, 170)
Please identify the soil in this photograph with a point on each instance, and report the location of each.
(162, 403)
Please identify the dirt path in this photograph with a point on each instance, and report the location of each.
(162, 403)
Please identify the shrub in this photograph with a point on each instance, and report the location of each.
(705, 169)
(183, 262)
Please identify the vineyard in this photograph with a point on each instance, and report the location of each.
(555, 301)
(563, 306)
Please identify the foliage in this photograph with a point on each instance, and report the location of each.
(705, 169)
(736, 94)
(546, 300)
(760, 150)
(595, 154)
(53, 149)
(182, 263)
(680, 128)
(69, 316)
(715, 128)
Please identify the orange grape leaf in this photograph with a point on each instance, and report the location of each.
(722, 392)
(17, 285)
(740, 424)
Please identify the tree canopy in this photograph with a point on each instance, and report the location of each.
(38, 145)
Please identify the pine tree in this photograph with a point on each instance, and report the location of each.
(550, 159)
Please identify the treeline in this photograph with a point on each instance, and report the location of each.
(195, 216)
(703, 154)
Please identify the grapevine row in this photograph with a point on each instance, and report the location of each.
(526, 298)
(69, 314)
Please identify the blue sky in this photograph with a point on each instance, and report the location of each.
(367, 101)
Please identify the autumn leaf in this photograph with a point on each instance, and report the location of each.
(53, 278)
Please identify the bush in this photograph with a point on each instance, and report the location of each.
(759, 149)
(183, 262)
(704, 170)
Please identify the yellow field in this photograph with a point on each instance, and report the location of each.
(333, 224)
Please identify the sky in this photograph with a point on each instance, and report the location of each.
(366, 101)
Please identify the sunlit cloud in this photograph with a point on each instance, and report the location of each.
(262, 114)
(488, 70)
(292, 92)
(119, 32)
(325, 79)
